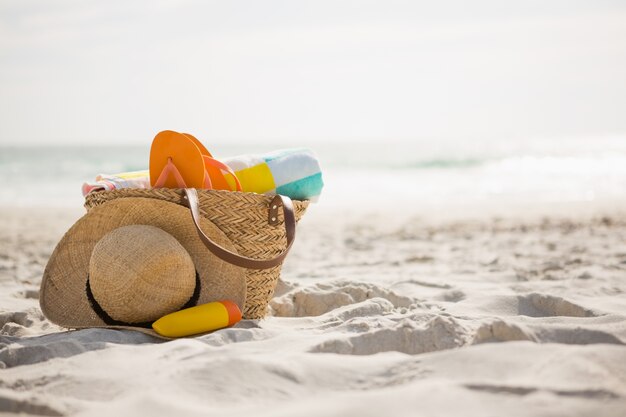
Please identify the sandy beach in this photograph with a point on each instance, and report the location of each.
(466, 256)
(413, 315)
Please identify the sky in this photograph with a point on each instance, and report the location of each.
(306, 72)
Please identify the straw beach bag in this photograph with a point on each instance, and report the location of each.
(261, 228)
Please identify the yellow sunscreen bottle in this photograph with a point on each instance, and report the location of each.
(198, 319)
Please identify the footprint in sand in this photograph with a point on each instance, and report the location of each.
(501, 331)
(543, 305)
(563, 332)
(321, 298)
(406, 336)
(533, 305)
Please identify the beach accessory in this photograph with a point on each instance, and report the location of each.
(131, 261)
(175, 161)
(105, 182)
(199, 319)
(214, 170)
(259, 230)
(179, 160)
(294, 173)
(133, 258)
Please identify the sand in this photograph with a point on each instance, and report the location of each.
(376, 315)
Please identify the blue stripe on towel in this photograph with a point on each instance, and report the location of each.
(284, 153)
(304, 188)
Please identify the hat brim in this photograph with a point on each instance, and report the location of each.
(63, 298)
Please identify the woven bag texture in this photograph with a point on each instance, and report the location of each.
(243, 217)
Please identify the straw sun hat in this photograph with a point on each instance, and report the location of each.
(131, 261)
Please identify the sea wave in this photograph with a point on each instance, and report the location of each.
(54, 175)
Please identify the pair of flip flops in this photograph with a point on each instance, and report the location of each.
(179, 160)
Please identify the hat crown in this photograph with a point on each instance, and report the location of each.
(139, 273)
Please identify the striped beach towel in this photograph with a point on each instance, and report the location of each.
(105, 182)
(295, 173)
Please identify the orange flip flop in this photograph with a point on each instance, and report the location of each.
(176, 162)
(214, 169)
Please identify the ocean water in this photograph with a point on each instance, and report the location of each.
(420, 173)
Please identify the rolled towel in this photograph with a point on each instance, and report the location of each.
(105, 182)
(295, 173)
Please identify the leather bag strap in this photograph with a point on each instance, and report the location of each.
(191, 199)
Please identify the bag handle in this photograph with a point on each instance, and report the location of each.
(191, 198)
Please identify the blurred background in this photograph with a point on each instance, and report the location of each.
(435, 103)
